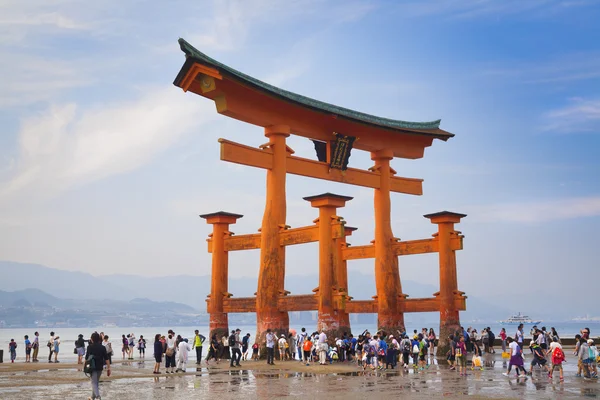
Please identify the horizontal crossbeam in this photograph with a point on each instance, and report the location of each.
(309, 302)
(409, 247)
(431, 304)
(253, 157)
(288, 237)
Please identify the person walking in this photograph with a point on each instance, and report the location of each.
(245, 346)
(323, 347)
(213, 350)
(183, 350)
(236, 354)
(516, 358)
(503, 338)
(198, 342)
(519, 336)
(461, 356)
(108, 346)
(301, 338)
(270, 339)
(98, 352)
(80, 348)
(12, 349)
(557, 357)
(36, 347)
(539, 358)
(50, 345)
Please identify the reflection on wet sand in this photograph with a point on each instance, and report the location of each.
(257, 380)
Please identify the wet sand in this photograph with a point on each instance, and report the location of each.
(256, 380)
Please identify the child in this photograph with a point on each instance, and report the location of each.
(27, 349)
(451, 355)
(593, 354)
(584, 358)
(405, 348)
(423, 346)
(255, 352)
(557, 357)
(461, 356)
(538, 358)
(12, 348)
(307, 347)
(576, 352)
(477, 356)
(415, 350)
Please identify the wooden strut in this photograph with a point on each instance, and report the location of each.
(263, 158)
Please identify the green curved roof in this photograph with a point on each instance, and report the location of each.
(196, 55)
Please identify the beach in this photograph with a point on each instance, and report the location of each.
(257, 380)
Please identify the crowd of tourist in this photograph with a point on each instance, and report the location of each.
(381, 350)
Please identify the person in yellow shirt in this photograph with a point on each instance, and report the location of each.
(198, 342)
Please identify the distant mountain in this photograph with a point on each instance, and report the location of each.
(188, 293)
(35, 298)
(59, 283)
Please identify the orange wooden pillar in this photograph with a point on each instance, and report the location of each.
(341, 277)
(449, 315)
(220, 270)
(329, 301)
(271, 275)
(390, 299)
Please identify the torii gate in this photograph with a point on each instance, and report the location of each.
(282, 114)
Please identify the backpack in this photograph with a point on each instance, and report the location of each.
(406, 348)
(558, 356)
(415, 348)
(90, 365)
(231, 340)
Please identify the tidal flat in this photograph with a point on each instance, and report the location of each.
(256, 380)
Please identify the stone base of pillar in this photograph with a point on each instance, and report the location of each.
(278, 322)
(219, 326)
(390, 324)
(447, 328)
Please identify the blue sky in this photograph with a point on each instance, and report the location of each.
(105, 165)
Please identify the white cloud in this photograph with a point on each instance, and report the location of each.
(537, 211)
(565, 68)
(467, 9)
(580, 115)
(67, 145)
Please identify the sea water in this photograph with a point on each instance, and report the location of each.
(69, 335)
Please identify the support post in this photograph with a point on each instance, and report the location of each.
(449, 314)
(271, 275)
(220, 221)
(329, 308)
(341, 277)
(390, 298)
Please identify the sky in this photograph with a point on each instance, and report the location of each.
(105, 165)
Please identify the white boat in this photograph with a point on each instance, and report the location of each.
(519, 319)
